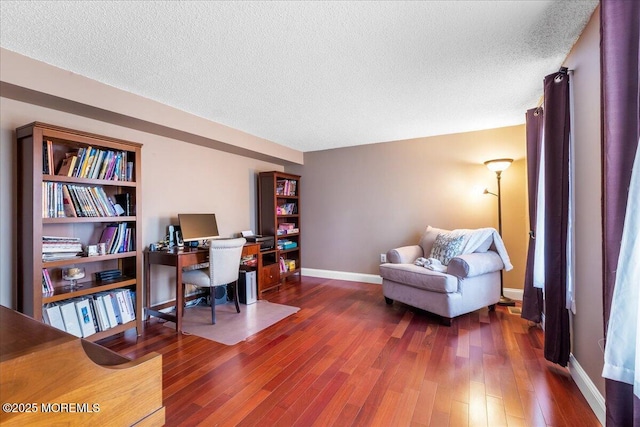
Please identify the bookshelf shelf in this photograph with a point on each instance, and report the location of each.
(84, 260)
(88, 181)
(280, 192)
(87, 288)
(84, 219)
(64, 176)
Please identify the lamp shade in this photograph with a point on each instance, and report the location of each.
(498, 165)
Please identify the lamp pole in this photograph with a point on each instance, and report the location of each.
(503, 300)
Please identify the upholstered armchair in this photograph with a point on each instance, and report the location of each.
(448, 273)
(223, 269)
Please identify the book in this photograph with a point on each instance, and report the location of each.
(53, 316)
(125, 314)
(86, 161)
(46, 280)
(67, 203)
(101, 313)
(48, 157)
(66, 166)
(70, 318)
(78, 166)
(128, 297)
(117, 307)
(108, 235)
(108, 305)
(85, 317)
(105, 164)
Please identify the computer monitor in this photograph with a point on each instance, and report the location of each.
(195, 227)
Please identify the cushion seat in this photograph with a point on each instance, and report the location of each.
(419, 277)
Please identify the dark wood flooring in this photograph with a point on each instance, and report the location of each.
(348, 359)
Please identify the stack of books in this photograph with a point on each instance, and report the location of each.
(108, 275)
(57, 248)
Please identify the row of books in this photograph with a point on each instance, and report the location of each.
(118, 238)
(95, 163)
(47, 157)
(287, 209)
(286, 187)
(69, 200)
(287, 265)
(85, 316)
(47, 284)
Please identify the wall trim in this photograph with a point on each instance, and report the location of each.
(588, 389)
(342, 275)
(515, 294)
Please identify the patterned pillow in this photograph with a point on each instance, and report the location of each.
(446, 247)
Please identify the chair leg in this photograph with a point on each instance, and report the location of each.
(235, 285)
(212, 291)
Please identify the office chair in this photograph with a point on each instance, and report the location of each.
(224, 268)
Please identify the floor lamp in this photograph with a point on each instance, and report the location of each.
(498, 166)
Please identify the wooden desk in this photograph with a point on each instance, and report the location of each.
(180, 258)
(42, 369)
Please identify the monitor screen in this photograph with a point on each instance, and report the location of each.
(196, 227)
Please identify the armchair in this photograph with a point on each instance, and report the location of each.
(224, 268)
(468, 279)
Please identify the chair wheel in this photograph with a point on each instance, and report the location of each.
(389, 301)
(492, 307)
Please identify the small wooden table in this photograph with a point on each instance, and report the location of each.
(179, 258)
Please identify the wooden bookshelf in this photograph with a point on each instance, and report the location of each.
(279, 216)
(42, 149)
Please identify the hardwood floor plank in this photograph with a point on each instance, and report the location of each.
(346, 358)
(424, 406)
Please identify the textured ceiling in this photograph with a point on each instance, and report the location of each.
(312, 75)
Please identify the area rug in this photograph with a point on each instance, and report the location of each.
(232, 327)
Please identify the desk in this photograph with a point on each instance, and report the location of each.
(180, 258)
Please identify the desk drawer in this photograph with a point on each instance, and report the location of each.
(269, 276)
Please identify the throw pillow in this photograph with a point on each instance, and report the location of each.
(446, 247)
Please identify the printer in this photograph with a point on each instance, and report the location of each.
(266, 242)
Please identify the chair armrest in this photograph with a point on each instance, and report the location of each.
(404, 254)
(475, 264)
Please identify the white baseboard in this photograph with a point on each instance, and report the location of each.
(514, 294)
(342, 275)
(588, 389)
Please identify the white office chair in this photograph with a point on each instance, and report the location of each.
(224, 268)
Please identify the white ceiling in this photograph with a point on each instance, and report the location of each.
(312, 75)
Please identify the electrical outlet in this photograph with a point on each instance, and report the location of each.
(383, 258)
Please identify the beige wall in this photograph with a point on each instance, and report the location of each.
(359, 202)
(587, 323)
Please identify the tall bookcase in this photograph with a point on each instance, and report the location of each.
(279, 216)
(42, 150)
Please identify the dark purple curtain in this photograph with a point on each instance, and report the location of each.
(620, 43)
(556, 188)
(532, 298)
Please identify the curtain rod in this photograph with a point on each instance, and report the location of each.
(563, 70)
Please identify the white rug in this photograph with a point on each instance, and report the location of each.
(232, 327)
